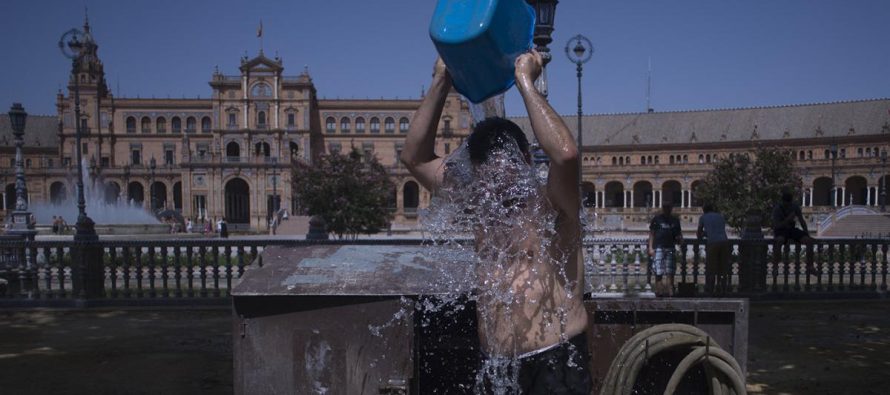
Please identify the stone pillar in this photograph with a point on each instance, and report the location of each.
(843, 196)
(810, 198)
(752, 256)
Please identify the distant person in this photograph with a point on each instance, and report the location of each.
(55, 225)
(786, 213)
(189, 226)
(664, 235)
(718, 251)
(207, 226)
(223, 228)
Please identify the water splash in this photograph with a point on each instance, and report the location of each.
(98, 208)
(491, 107)
(502, 206)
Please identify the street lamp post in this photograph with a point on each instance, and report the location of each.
(152, 165)
(275, 189)
(72, 47)
(21, 217)
(883, 180)
(579, 53)
(545, 11)
(832, 149)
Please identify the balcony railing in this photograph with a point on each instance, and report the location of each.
(41, 273)
(233, 159)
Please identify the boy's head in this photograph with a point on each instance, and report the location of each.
(495, 134)
(666, 207)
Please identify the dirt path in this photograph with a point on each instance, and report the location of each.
(116, 352)
(800, 348)
(819, 347)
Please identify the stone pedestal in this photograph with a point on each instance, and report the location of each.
(362, 319)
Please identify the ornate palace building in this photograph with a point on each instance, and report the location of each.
(633, 162)
(230, 154)
(225, 156)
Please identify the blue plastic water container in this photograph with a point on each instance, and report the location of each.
(479, 41)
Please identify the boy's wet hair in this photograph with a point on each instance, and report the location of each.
(493, 134)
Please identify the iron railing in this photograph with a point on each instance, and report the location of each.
(189, 270)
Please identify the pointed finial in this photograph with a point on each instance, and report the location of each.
(86, 19)
(306, 69)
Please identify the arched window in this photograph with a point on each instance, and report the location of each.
(359, 125)
(331, 125)
(261, 119)
(403, 125)
(614, 161)
(410, 197)
(131, 125)
(708, 158)
(161, 125)
(621, 161)
(344, 125)
(701, 158)
(233, 151)
(685, 158)
(261, 90)
(671, 159)
(205, 125)
(262, 149)
(390, 125)
(375, 125)
(176, 125)
(191, 125)
(146, 125)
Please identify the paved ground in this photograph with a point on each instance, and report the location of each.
(811, 347)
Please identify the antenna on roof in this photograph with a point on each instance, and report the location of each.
(649, 88)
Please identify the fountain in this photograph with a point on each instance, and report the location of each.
(120, 217)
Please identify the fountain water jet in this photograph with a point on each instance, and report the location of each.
(121, 212)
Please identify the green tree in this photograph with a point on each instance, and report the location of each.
(749, 182)
(351, 192)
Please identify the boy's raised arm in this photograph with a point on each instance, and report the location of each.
(419, 153)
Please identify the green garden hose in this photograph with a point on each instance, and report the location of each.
(722, 370)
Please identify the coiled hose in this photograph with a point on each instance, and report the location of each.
(721, 369)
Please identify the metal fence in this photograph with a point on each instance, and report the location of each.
(756, 267)
(192, 271)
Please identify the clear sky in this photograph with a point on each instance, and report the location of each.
(705, 54)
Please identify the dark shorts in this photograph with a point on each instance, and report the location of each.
(561, 370)
(790, 234)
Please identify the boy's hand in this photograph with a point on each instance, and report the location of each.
(528, 67)
(439, 69)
